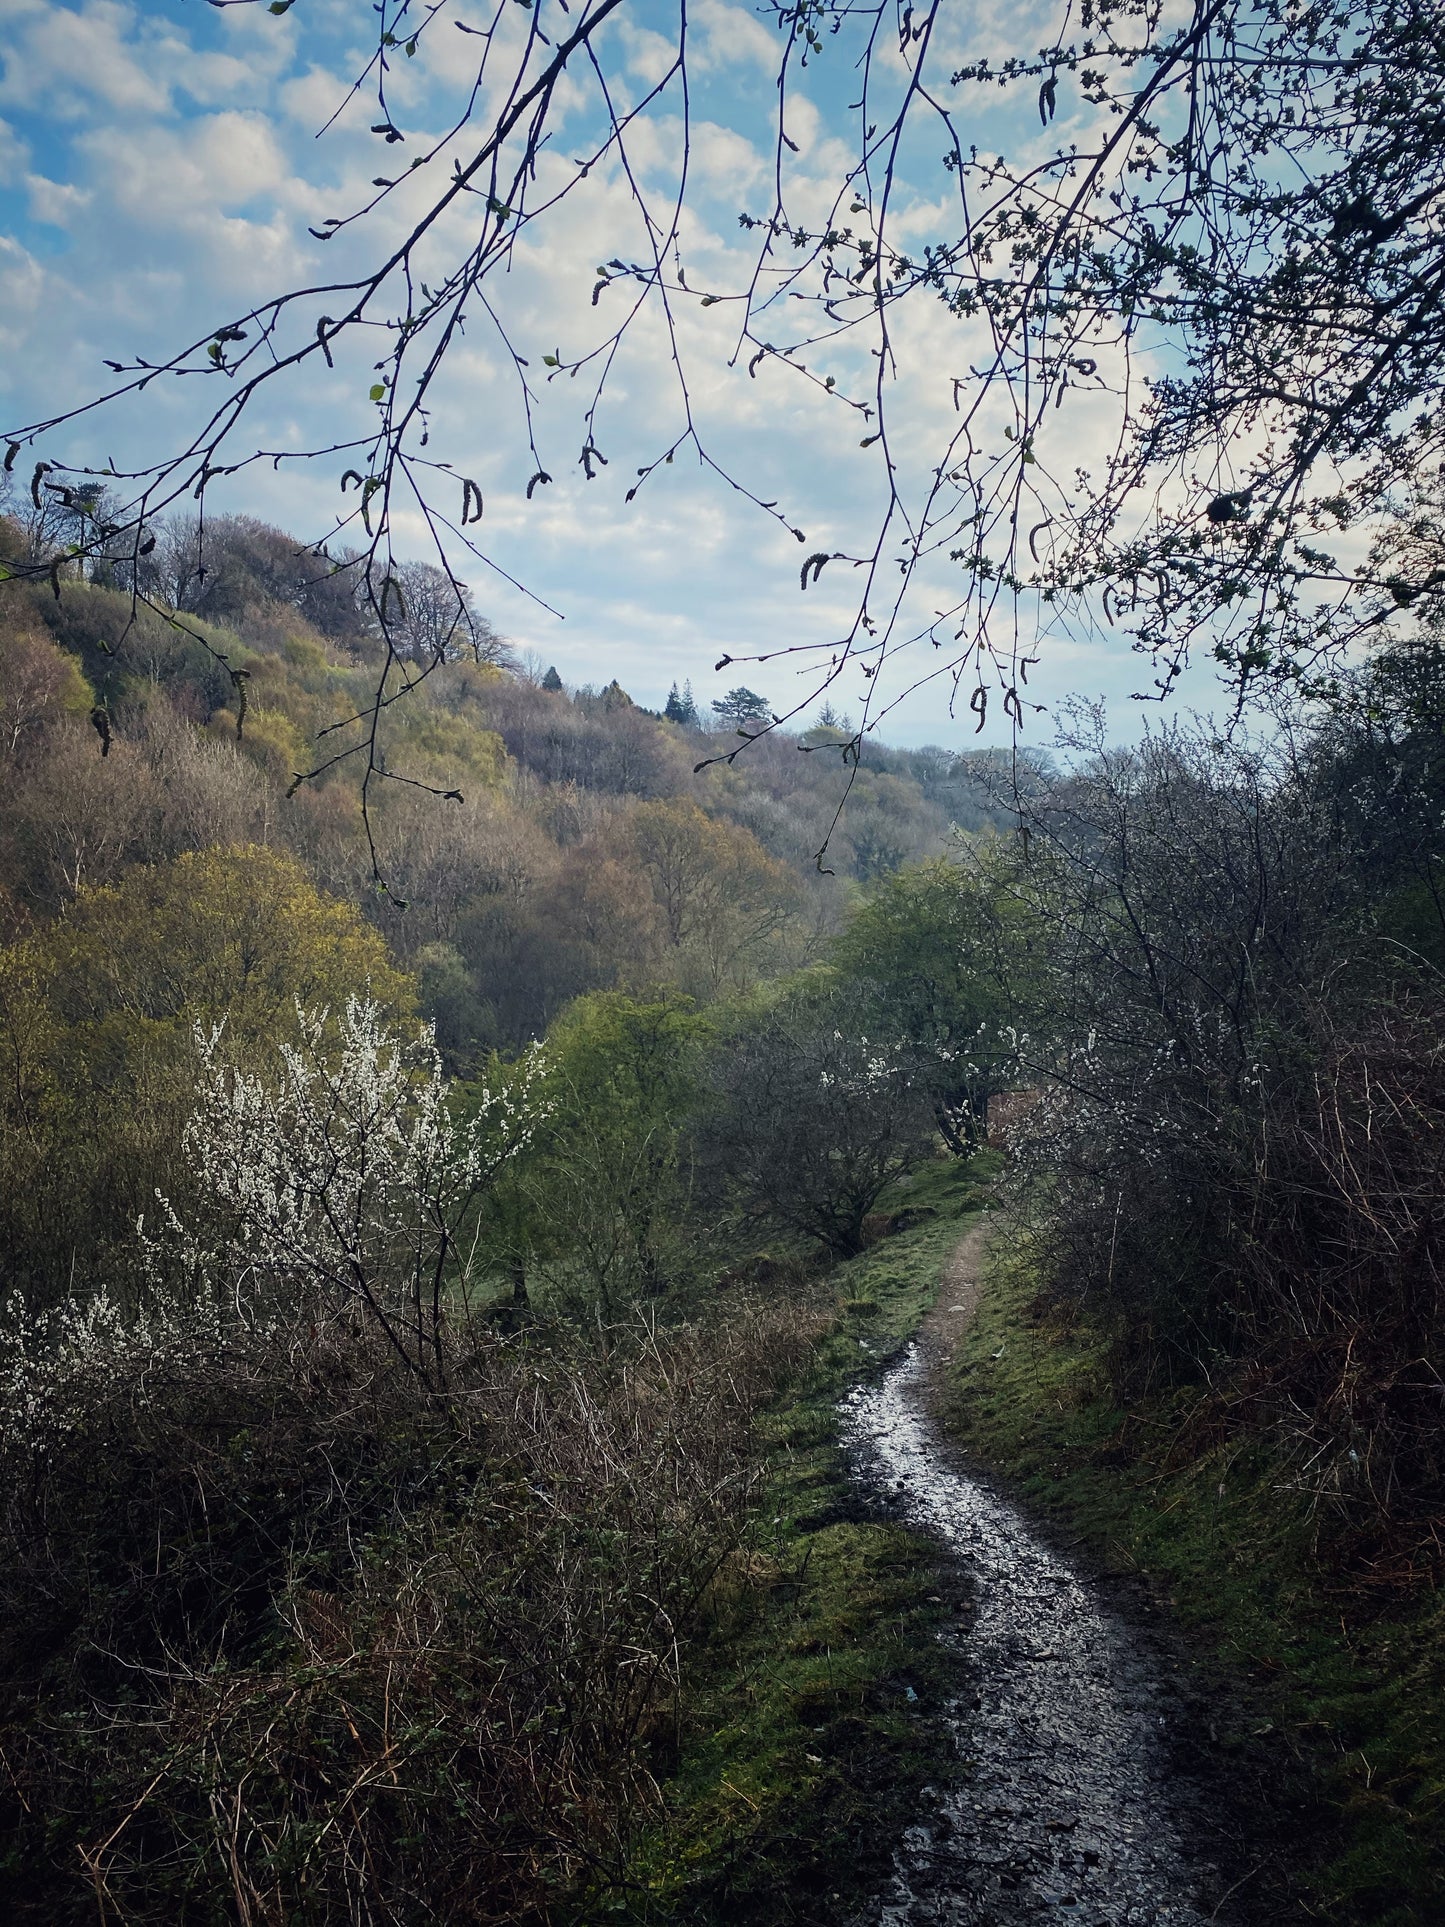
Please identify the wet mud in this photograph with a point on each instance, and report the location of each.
(1070, 1804)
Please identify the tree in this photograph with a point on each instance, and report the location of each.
(742, 706)
(552, 681)
(1239, 1151)
(39, 686)
(344, 1181)
(232, 566)
(831, 728)
(813, 1119)
(681, 709)
(723, 898)
(97, 1016)
(949, 957)
(439, 622)
(605, 1189)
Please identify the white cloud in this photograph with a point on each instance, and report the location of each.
(56, 203)
(651, 56)
(76, 59)
(24, 282)
(313, 98)
(14, 154)
(176, 218)
(732, 36)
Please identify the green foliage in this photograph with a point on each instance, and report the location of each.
(604, 1194)
(681, 707)
(723, 901)
(39, 686)
(948, 954)
(572, 847)
(812, 1726)
(810, 1119)
(742, 706)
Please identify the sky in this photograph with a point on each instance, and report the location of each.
(160, 167)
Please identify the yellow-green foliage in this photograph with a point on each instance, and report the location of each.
(436, 735)
(96, 1017)
(603, 1190)
(39, 684)
(237, 935)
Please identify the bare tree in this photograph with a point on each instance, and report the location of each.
(438, 622)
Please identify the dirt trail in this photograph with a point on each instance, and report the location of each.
(1070, 1807)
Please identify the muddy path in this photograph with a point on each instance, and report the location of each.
(1071, 1804)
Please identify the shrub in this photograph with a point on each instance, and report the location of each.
(285, 1638)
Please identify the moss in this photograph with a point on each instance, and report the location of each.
(812, 1721)
(1352, 1679)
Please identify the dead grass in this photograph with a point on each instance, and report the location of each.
(285, 1640)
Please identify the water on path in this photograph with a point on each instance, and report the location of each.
(1067, 1810)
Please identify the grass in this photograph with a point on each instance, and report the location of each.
(813, 1724)
(1350, 1679)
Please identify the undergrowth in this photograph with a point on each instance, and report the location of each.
(1343, 1674)
(285, 1637)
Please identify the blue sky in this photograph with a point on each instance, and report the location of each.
(160, 167)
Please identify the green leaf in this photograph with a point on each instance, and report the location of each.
(378, 391)
(281, 6)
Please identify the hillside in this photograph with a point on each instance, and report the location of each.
(534, 842)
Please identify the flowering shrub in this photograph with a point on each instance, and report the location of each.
(57, 1367)
(348, 1182)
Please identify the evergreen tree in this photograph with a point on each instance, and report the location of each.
(552, 680)
(682, 709)
(741, 706)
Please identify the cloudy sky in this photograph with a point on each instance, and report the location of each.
(160, 168)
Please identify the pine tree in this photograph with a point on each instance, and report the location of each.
(552, 680)
(742, 705)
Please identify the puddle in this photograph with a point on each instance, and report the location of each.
(1068, 1809)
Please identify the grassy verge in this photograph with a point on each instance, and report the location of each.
(1348, 1683)
(812, 1724)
